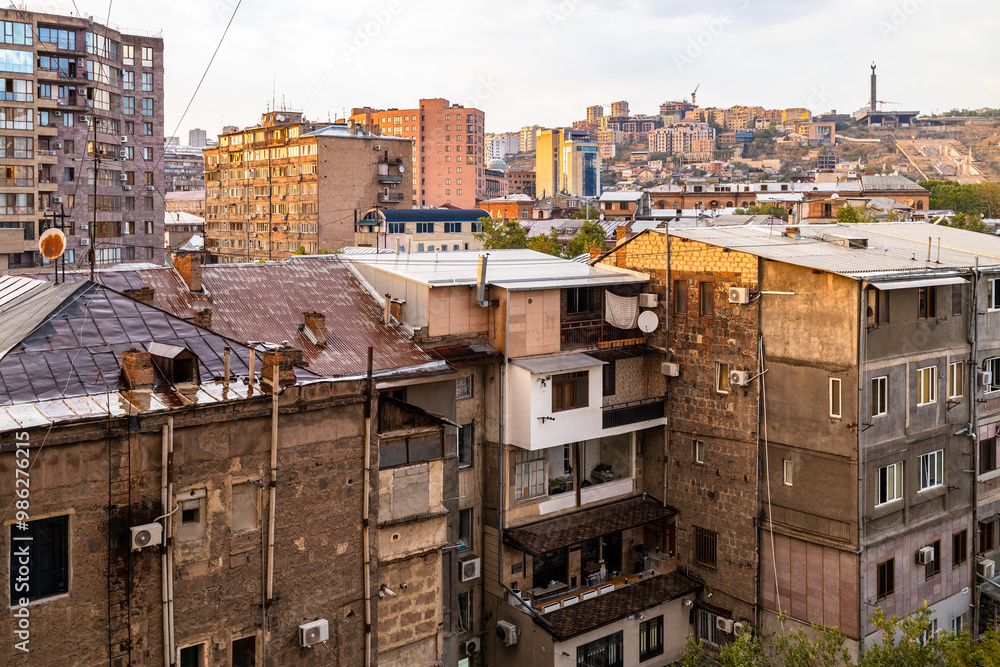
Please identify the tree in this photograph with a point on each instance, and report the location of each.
(746, 651)
(590, 235)
(548, 244)
(971, 223)
(499, 234)
(301, 250)
(694, 654)
(825, 648)
(588, 212)
(774, 210)
(854, 214)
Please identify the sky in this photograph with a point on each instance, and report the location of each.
(544, 61)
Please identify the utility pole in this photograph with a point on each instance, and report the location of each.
(92, 235)
(61, 217)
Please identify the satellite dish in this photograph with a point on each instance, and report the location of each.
(402, 169)
(279, 117)
(52, 244)
(648, 321)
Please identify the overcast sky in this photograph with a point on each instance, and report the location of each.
(543, 61)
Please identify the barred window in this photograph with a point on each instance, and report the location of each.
(705, 542)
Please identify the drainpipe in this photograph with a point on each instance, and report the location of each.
(862, 343)
(168, 530)
(500, 448)
(973, 383)
(666, 341)
(273, 486)
(164, 553)
(366, 558)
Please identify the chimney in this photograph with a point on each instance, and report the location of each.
(189, 266)
(396, 310)
(621, 231)
(283, 358)
(138, 368)
(203, 318)
(141, 294)
(316, 324)
(595, 252)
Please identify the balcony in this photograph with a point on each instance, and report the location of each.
(390, 178)
(392, 198)
(597, 334)
(634, 412)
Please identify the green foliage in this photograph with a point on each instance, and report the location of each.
(694, 654)
(825, 648)
(746, 651)
(548, 244)
(589, 235)
(499, 234)
(300, 251)
(586, 213)
(854, 214)
(774, 210)
(971, 223)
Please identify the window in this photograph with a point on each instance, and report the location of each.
(956, 379)
(986, 536)
(529, 474)
(192, 506)
(245, 651)
(425, 228)
(193, 656)
(959, 548)
(606, 652)
(16, 33)
(890, 483)
(244, 508)
(147, 106)
(704, 546)
(147, 81)
(787, 471)
(835, 398)
(147, 56)
(721, 378)
(128, 55)
(926, 385)
(926, 303)
(706, 307)
(465, 529)
(453, 228)
(579, 300)
(466, 442)
(933, 568)
(699, 451)
(46, 559)
(608, 372)
(396, 228)
(128, 80)
(147, 153)
(148, 226)
(128, 105)
(886, 578)
(412, 449)
(477, 228)
(956, 299)
(993, 294)
(931, 470)
(706, 627)
(987, 455)
(680, 297)
(570, 391)
(992, 365)
(147, 129)
(465, 611)
(880, 396)
(650, 638)
(463, 387)
(958, 624)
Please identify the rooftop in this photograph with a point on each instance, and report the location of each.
(193, 195)
(344, 131)
(428, 214)
(622, 195)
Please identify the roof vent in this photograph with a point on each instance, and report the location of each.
(846, 241)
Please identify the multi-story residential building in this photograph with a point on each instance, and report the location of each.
(594, 112)
(499, 146)
(526, 138)
(448, 149)
(869, 442)
(689, 142)
(289, 183)
(566, 162)
(197, 138)
(192, 202)
(83, 108)
(183, 168)
(619, 109)
(521, 182)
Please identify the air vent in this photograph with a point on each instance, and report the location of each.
(857, 242)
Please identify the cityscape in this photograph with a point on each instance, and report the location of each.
(337, 345)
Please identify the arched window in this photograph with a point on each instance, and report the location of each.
(661, 204)
(713, 204)
(920, 204)
(677, 204)
(729, 204)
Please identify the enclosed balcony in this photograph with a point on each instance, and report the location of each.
(596, 318)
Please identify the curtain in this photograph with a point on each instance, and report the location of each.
(621, 311)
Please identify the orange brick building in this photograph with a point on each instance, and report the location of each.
(448, 149)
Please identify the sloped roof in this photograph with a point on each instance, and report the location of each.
(889, 182)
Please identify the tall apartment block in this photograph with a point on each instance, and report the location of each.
(288, 183)
(526, 140)
(448, 149)
(82, 133)
(566, 161)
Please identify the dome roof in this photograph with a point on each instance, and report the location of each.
(496, 163)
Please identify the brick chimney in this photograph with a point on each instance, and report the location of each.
(189, 266)
(203, 318)
(138, 368)
(141, 294)
(595, 252)
(621, 231)
(284, 359)
(316, 323)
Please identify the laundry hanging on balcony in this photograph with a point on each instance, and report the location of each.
(621, 311)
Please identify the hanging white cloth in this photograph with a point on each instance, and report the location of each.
(621, 311)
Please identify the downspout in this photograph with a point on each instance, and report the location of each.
(973, 383)
(666, 341)
(168, 529)
(366, 557)
(273, 488)
(164, 553)
(500, 445)
(862, 343)
(760, 400)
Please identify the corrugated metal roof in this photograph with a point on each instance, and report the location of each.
(888, 182)
(622, 195)
(893, 248)
(342, 131)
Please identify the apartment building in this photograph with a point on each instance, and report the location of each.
(566, 162)
(421, 229)
(448, 149)
(526, 138)
(289, 183)
(184, 168)
(521, 182)
(864, 429)
(575, 547)
(687, 142)
(499, 146)
(83, 107)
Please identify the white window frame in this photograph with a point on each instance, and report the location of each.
(721, 377)
(931, 470)
(956, 379)
(993, 294)
(787, 471)
(927, 379)
(699, 451)
(890, 484)
(993, 365)
(880, 391)
(836, 405)
(531, 463)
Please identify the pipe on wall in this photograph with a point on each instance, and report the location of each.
(273, 485)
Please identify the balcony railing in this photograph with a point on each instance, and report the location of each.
(598, 334)
(391, 198)
(390, 178)
(632, 412)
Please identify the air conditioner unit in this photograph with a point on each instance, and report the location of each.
(284, 228)
(737, 628)
(507, 632)
(57, 113)
(985, 378)
(314, 632)
(377, 147)
(56, 199)
(724, 624)
(150, 188)
(471, 647)
(56, 144)
(123, 153)
(739, 378)
(925, 555)
(126, 187)
(470, 569)
(670, 369)
(84, 241)
(124, 139)
(81, 62)
(85, 226)
(123, 177)
(648, 300)
(82, 90)
(739, 295)
(146, 535)
(986, 568)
